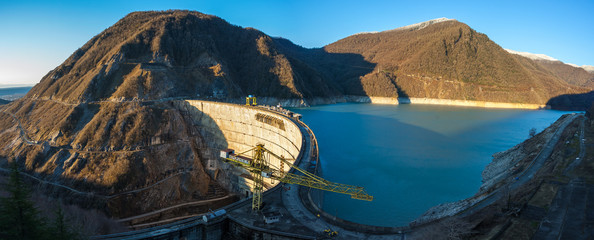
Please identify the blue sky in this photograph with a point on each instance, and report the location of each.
(37, 36)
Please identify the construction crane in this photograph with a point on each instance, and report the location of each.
(260, 167)
(252, 99)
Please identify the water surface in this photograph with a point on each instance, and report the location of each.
(13, 93)
(411, 157)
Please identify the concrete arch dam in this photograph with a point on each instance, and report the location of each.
(238, 127)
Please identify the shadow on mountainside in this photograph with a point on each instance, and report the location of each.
(349, 73)
(343, 72)
(572, 102)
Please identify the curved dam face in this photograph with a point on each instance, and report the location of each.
(224, 125)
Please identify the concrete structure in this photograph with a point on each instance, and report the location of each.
(239, 127)
(236, 126)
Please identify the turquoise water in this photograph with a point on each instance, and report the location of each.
(411, 157)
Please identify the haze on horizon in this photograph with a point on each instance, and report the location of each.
(38, 36)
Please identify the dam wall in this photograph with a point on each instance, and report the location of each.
(239, 127)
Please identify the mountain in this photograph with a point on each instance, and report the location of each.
(543, 57)
(90, 124)
(533, 56)
(446, 59)
(570, 73)
(151, 55)
(102, 122)
(154, 55)
(588, 68)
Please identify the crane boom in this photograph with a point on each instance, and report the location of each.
(260, 167)
(355, 191)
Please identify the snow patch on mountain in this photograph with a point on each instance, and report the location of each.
(416, 26)
(372, 32)
(419, 26)
(573, 65)
(532, 56)
(541, 57)
(588, 68)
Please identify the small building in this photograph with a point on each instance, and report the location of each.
(271, 217)
(226, 153)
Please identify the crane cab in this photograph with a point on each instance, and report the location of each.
(250, 100)
(266, 174)
(227, 153)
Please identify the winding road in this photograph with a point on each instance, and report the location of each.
(571, 214)
(526, 175)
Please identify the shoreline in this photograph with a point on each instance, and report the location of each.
(483, 104)
(397, 101)
(295, 102)
(455, 102)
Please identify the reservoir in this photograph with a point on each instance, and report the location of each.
(411, 157)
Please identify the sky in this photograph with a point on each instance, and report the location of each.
(37, 36)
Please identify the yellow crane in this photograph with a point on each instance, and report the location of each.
(250, 100)
(261, 168)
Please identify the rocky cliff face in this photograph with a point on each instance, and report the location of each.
(125, 158)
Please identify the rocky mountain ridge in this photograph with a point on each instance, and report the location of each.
(533, 56)
(581, 76)
(539, 56)
(450, 60)
(587, 68)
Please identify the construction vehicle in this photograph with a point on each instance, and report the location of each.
(260, 167)
(330, 233)
(250, 100)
